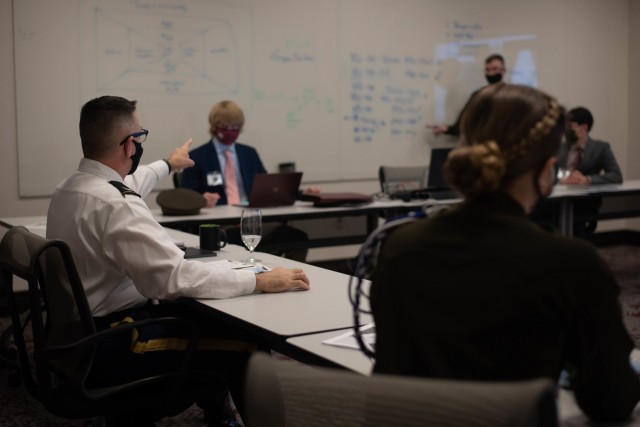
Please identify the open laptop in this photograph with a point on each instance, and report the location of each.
(274, 189)
(437, 187)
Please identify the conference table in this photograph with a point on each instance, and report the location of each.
(564, 195)
(300, 210)
(271, 318)
(230, 215)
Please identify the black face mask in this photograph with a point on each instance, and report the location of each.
(571, 136)
(136, 157)
(493, 78)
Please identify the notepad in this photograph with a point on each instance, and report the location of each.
(348, 339)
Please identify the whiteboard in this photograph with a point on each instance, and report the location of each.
(339, 87)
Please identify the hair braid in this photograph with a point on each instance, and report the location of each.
(537, 132)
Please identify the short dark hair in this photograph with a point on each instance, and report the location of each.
(493, 57)
(101, 122)
(581, 116)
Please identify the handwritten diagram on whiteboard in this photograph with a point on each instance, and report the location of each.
(179, 49)
(338, 86)
(160, 53)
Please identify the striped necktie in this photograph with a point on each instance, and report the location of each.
(230, 180)
(577, 159)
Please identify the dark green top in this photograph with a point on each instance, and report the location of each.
(481, 292)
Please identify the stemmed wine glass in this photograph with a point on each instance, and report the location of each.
(251, 231)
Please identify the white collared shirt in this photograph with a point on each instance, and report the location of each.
(123, 255)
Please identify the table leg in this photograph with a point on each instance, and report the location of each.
(566, 217)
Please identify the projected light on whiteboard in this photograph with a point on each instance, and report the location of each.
(524, 70)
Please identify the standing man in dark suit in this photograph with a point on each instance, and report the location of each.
(207, 176)
(494, 72)
(586, 161)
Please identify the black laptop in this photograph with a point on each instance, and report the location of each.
(437, 187)
(274, 189)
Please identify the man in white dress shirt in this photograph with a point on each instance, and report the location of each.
(125, 258)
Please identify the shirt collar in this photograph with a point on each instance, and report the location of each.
(94, 167)
(221, 148)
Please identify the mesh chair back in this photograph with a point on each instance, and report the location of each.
(59, 312)
(284, 393)
(399, 178)
(64, 342)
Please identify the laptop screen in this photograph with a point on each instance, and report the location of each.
(436, 174)
(274, 189)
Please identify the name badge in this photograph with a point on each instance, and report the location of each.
(214, 179)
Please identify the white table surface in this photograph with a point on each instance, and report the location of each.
(297, 211)
(324, 307)
(569, 191)
(348, 358)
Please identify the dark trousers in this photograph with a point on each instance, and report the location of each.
(585, 215)
(120, 360)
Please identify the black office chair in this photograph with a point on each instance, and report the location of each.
(282, 393)
(56, 367)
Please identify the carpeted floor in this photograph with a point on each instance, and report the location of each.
(624, 260)
(18, 408)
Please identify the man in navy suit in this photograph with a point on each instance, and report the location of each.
(207, 176)
(226, 120)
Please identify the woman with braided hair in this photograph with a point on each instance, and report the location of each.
(480, 292)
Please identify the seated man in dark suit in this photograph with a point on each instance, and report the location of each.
(208, 174)
(586, 161)
(224, 170)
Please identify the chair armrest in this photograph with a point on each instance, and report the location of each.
(53, 353)
(58, 351)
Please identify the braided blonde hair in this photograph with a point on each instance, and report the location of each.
(507, 130)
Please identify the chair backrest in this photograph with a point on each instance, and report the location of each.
(284, 393)
(65, 338)
(59, 311)
(402, 178)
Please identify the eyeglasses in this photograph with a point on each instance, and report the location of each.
(138, 136)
